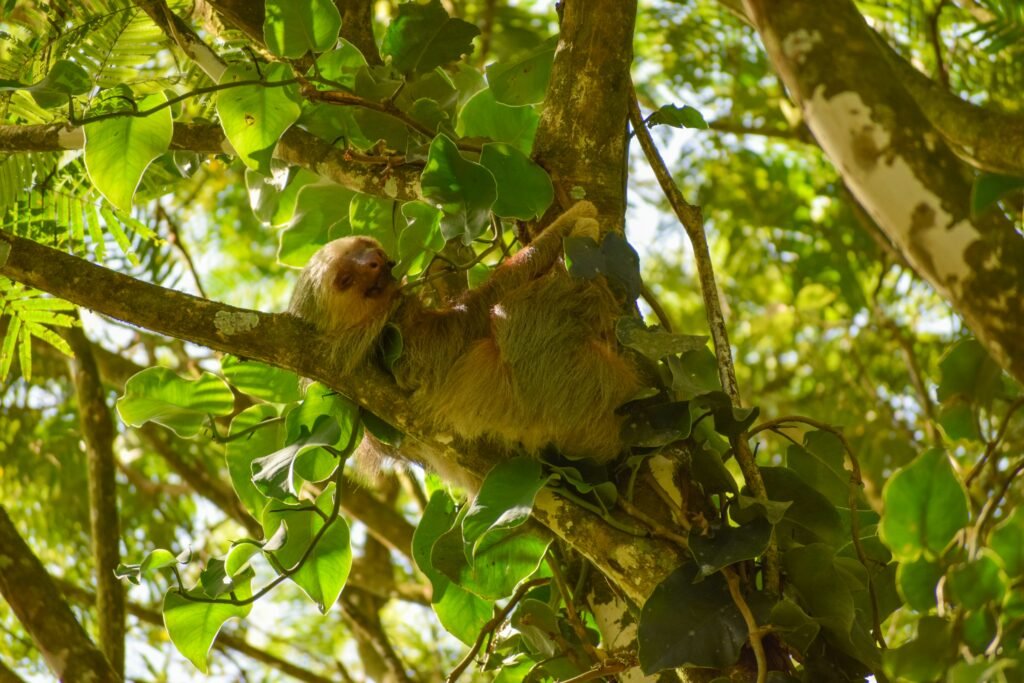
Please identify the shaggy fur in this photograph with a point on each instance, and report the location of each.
(528, 359)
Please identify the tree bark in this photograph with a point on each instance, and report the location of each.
(37, 604)
(897, 166)
(104, 523)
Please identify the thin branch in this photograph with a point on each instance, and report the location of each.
(754, 632)
(570, 609)
(693, 222)
(991, 446)
(493, 625)
(374, 635)
(656, 307)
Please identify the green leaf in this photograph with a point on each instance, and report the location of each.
(614, 258)
(420, 240)
(321, 215)
(820, 464)
(651, 426)
(260, 380)
(160, 395)
(730, 545)
(461, 613)
(274, 475)
(654, 342)
(925, 506)
(523, 79)
(794, 625)
(485, 117)
(423, 37)
(118, 150)
(254, 117)
(192, 625)
(926, 657)
(989, 188)
(958, 421)
(677, 117)
(502, 559)
(504, 502)
(464, 190)
(917, 581)
(326, 566)
(239, 452)
(711, 473)
(977, 582)
(1007, 541)
(729, 421)
(694, 373)
(377, 217)
(688, 624)
(66, 78)
(811, 571)
(810, 517)
(979, 629)
(967, 370)
(291, 29)
(524, 188)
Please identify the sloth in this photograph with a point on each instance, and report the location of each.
(528, 359)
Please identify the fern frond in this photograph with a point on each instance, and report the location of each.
(30, 313)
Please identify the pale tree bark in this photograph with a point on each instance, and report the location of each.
(897, 166)
(37, 604)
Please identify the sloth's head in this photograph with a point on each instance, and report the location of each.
(347, 284)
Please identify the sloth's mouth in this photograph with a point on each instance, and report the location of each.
(381, 284)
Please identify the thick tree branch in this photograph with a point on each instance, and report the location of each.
(581, 137)
(637, 565)
(104, 523)
(904, 176)
(988, 139)
(37, 604)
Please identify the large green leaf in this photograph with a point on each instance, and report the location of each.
(977, 582)
(462, 613)
(326, 566)
(504, 502)
(420, 240)
(524, 188)
(485, 117)
(730, 545)
(254, 117)
(291, 29)
(118, 150)
(160, 395)
(253, 433)
(523, 79)
(823, 593)
(423, 37)
(925, 506)
(690, 624)
(66, 78)
(321, 215)
(274, 475)
(1007, 540)
(192, 625)
(260, 380)
(464, 190)
(926, 657)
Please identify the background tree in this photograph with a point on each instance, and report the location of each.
(850, 198)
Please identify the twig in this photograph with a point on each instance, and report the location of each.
(992, 445)
(492, 625)
(657, 528)
(656, 307)
(693, 222)
(610, 668)
(570, 609)
(754, 631)
(162, 214)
